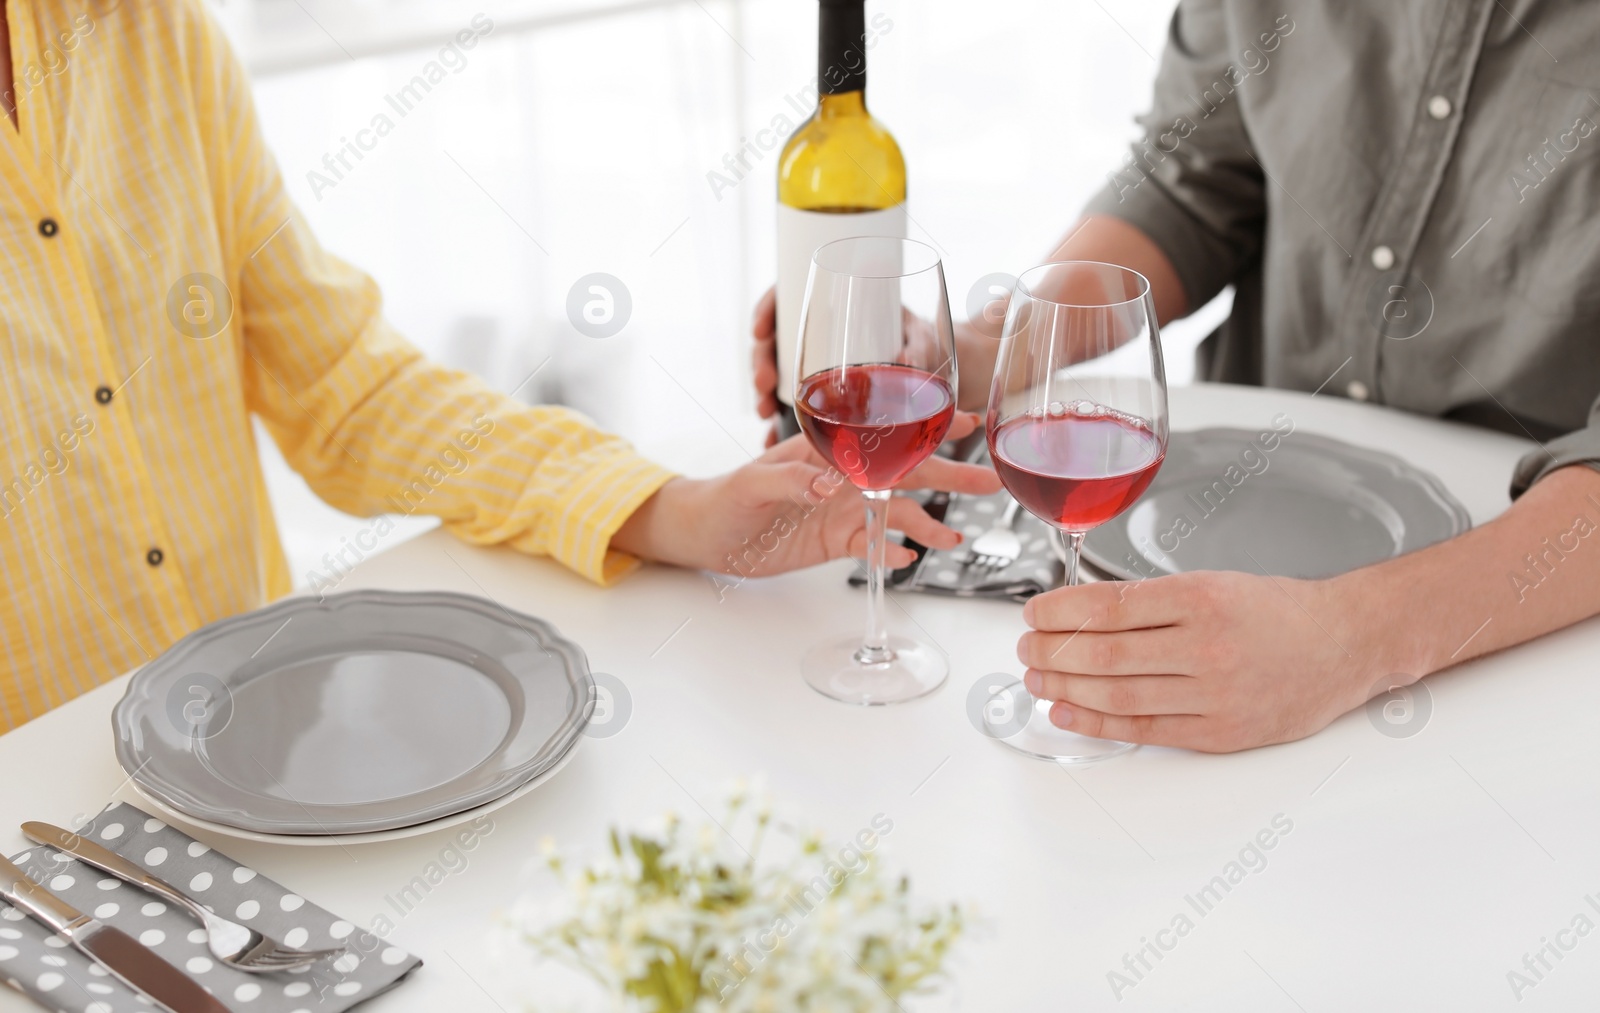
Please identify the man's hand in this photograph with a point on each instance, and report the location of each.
(975, 351)
(787, 510)
(1208, 661)
(764, 358)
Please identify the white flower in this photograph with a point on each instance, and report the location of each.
(706, 841)
(766, 930)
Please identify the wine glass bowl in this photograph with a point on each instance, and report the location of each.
(1077, 427)
(875, 395)
(876, 421)
(1075, 464)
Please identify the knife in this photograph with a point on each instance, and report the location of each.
(130, 961)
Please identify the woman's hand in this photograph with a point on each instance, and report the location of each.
(1209, 661)
(787, 510)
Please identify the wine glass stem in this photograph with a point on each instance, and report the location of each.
(1073, 540)
(875, 648)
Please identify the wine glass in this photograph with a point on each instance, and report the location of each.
(875, 393)
(1077, 428)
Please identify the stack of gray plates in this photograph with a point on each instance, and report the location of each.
(361, 716)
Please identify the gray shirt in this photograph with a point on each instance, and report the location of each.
(1406, 196)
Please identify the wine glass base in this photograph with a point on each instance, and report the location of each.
(1041, 739)
(833, 670)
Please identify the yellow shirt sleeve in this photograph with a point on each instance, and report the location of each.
(372, 425)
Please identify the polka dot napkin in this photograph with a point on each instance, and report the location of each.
(1038, 569)
(45, 968)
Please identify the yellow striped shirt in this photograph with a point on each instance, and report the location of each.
(157, 288)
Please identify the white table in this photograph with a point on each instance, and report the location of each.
(1418, 871)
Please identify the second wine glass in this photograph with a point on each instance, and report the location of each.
(875, 394)
(1077, 428)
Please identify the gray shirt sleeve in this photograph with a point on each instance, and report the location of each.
(1437, 151)
(1581, 446)
(1192, 183)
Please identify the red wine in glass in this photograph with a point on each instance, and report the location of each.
(875, 393)
(1077, 430)
(877, 421)
(1077, 467)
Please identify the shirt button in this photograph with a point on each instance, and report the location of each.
(103, 394)
(48, 227)
(1439, 107)
(154, 557)
(1357, 390)
(1382, 258)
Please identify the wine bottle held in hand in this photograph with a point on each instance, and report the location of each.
(841, 173)
(1077, 429)
(875, 396)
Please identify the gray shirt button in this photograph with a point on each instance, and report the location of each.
(1382, 258)
(1357, 390)
(1439, 107)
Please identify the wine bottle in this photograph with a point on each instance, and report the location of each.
(841, 174)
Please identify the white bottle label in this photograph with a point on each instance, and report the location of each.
(799, 235)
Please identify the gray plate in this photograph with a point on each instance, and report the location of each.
(366, 711)
(1311, 507)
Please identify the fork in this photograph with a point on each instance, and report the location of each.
(998, 547)
(235, 945)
